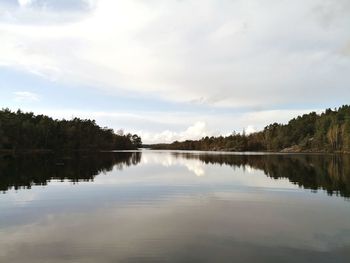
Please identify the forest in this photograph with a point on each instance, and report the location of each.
(325, 132)
(26, 131)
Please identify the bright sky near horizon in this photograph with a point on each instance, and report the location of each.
(175, 69)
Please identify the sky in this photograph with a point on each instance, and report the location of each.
(175, 69)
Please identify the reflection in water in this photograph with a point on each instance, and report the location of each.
(23, 171)
(327, 172)
(152, 208)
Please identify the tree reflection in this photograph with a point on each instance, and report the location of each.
(328, 172)
(25, 170)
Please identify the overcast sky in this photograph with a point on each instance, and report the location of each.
(175, 69)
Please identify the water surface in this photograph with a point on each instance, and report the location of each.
(163, 206)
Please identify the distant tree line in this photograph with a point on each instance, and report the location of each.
(326, 132)
(26, 131)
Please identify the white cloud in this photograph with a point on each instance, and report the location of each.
(222, 53)
(193, 132)
(25, 3)
(249, 129)
(25, 96)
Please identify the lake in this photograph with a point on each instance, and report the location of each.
(173, 206)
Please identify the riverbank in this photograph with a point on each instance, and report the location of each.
(286, 150)
(49, 151)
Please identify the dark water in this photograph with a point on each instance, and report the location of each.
(174, 207)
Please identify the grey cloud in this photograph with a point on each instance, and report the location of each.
(345, 50)
(329, 12)
(281, 52)
(44, 11)
(62, 5)
(235, 54)
(9, 3)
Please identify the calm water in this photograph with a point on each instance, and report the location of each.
(174, 207)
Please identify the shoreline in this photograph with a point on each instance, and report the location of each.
(262, 152)
(49, 151)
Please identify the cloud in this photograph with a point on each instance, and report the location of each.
(44, 12)
(25, 96)
(346, 49)
(25, 3)
(249, 129)
(237, 54)
(57, 5)
(193, 132)
(330, 12)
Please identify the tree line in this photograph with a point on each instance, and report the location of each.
(325, 132)
(27, 131)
